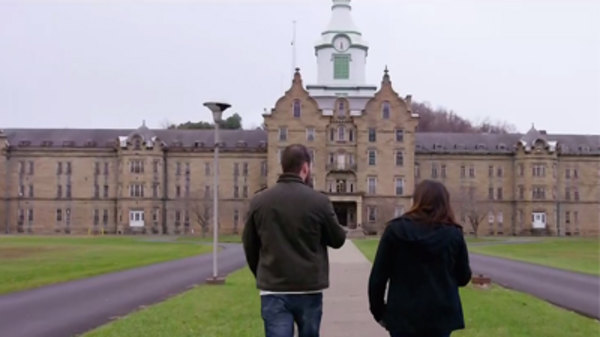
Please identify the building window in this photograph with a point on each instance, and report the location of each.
(490, 171)
(96, 168)
(372, 158)
(68, 191)
(417, 170)
(539, 170)
(372, 135)
(245, 192)
(385, 110)
(236, 219)
(236, 192)
(155, 190)
(576, 194)
(399, 186)
(105, 217)
(105, 191)
(245, 169)
(341, 133)
(311, 152)
(31, 191)
(207, 169)
(297, 108)
(30, 215)
(521, 189)
(155, 166)
(59, 168)
(206, 191)
(567, 193)
(59, 191)
(178, 191)
(372, 185)
(187, 168)
(341, 67)
(443, 170)
(575, 176)
(491, 193)
(21, 167)
(399, 135)
(399, 158)
(96, 191)
(236, 169)
(263, 169)
(283, 134)
(463, 171)
(69, 171)
(351, 135)
(178, 168)
(521, 170)
(500, 172)
(472, 171)
(310, 134)
(331, 134)
(499, 194)
(372, 213)
(434, 171)
(539, 192)
(136, 166)
(96, 217)
(59, 215)
(187, 190)
(105, 169)
(341, 109)
(136, 190)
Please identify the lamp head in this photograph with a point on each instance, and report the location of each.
(217, 109)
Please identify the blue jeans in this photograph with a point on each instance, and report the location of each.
(279, 313)
(393, 334)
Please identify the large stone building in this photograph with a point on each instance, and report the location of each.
(367, 158)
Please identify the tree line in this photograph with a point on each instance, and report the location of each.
(431, 120)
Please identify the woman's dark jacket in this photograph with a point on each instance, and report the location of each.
(425, 265)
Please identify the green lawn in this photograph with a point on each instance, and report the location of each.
(207, 311)
(28, 262)
(576, 254)
(499, 312)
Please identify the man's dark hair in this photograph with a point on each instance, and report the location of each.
(293, 157)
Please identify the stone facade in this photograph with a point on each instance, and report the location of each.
(161, 181)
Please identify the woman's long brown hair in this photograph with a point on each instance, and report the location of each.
(432, 204)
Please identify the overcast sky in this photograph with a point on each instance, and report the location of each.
(112, 64)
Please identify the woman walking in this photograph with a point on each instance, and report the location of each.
(423, 256)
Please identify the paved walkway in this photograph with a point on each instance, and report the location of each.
(346, 306)
(570, 290)
(71, 308)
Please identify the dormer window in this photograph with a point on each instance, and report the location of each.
(137, 144)
(297, 108)
(385, 110)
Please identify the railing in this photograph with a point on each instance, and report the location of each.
(342, 168)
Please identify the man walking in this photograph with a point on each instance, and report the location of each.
(288, 230)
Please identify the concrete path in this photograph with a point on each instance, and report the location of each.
(71, 308)
(346, 305)
(570, 290)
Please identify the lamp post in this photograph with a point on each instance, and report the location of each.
(217, 109)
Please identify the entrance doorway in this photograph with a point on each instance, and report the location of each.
(346, 213)
(539, 220)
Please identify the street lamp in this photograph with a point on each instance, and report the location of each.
(217, 109)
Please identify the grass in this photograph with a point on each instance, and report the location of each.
(207, 311)
(29, 262)
(581, 254)
(501, 312)
(209, 239)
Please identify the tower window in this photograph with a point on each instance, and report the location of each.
(386, 110)
(297, 109)
(341, 67)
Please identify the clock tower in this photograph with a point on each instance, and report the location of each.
(341, 57)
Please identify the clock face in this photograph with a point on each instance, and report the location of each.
(341, 43)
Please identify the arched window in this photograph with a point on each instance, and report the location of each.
(297, 108)
(341, 108)
(385, 110)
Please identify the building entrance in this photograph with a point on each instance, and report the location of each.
(346, 213)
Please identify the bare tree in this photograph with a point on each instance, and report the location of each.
(473, 209)
(200, 206)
